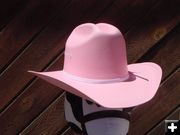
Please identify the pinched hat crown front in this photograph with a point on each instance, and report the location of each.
(96, 51)
(95, 68)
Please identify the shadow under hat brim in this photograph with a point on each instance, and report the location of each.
(141, 86)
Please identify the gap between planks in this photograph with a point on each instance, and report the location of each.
(28, 43)
(168, 117)
(56, 100)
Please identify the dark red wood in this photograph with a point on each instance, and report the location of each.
(50, 121)
(9, 9)
(172, 39)
(159, 55)
(152, 28)
(48, 45)
(33, 88)
(29, 104)
(69, 131)
(158, 108)
(123, 14)
(153, 25)
(160, 128)
(23, 99)
(145, 113)
(25, 27)
(165, 52)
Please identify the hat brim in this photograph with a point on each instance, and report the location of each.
(140, 87)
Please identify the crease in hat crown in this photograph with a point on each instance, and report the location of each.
(85, 32)
(99, 59)
(96, 51)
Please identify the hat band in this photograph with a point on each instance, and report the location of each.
(82, 79)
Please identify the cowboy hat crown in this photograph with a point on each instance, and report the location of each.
(95, 68)
(96, 51)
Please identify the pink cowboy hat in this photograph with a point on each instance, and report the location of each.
(96, 69)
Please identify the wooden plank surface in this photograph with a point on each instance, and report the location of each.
(156, 110)
(47, 45)
(153, 29)
(25, 26)
(160, 128)
(169, 45)
(38, 119)
(159, 55)
(9, 9)
(154, 26)
(41, 48)
(123, 14)
(69, 131)
(48, 124)
(29, 104)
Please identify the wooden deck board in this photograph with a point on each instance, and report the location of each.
(153, 27)
(174, 40)
(150, 31)
(159, 55)
(156, 110)
(169, 45)
(43, 51)
(160, 128)
(44, 84)
(25, 27)
(29, 104)
(50, 122)
(47, 45)
(124, 14)
(9, 9)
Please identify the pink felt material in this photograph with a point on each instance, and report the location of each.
(96, 51)
(95, 68)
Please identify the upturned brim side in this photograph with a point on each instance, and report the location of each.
(141, 86)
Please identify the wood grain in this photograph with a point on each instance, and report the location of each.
(50, 121)
(29, 104)
(154, 26)
(47, 50)
(44, 48)
(9, 9)
(41, 48)
(69, 131)
(25, 27)
(158, 108)
(160, 128)
(123, 14)
(158, 54)
(165, 51)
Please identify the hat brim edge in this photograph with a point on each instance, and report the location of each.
(84, 94)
